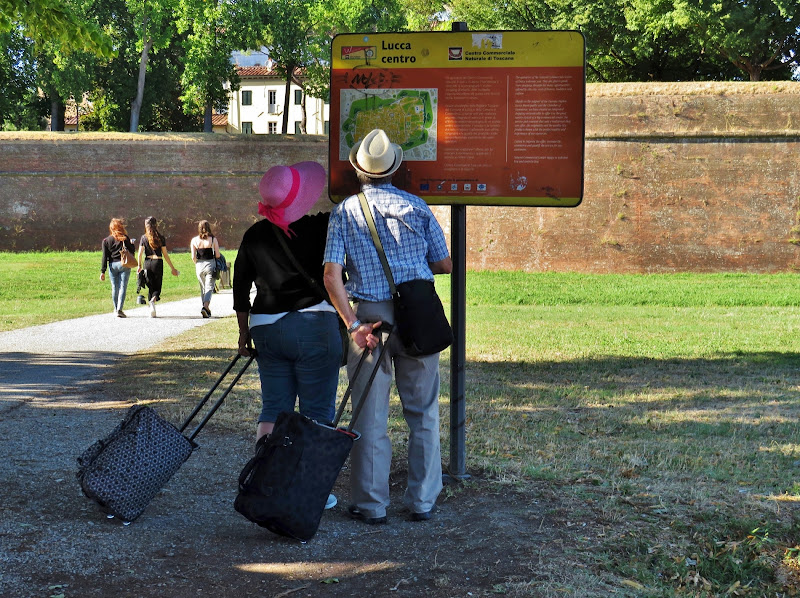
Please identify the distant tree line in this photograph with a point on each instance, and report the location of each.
(164, 65)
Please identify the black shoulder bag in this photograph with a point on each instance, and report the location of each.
(418, 311)
(317, 289)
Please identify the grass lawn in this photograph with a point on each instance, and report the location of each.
(38, 288)
(669, 405)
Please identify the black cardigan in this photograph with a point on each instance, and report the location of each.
(279, 286)
(111, 250)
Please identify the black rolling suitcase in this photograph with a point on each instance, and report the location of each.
(126, 469)
(285, 486)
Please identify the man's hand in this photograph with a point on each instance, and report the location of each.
(363, 336)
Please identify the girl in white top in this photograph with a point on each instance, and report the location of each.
(205, 250)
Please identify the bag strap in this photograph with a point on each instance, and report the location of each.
(377, 241)
(285, 246)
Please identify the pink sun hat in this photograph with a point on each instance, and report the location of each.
(289, 192)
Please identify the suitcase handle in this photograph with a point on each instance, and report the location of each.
(219, 401)
(347, 393)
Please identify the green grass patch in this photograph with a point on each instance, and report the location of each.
(42, 287)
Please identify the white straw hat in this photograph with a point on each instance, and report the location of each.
(375, 156)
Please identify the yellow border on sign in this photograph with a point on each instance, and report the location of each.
(453, 50)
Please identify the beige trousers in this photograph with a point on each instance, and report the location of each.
(417, 380)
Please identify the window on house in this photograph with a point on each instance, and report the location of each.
(327, 127)
(273, 97)
(247, 98)
(247, 128)
(298, 97)
(328, 98)
(297, 130)
(273, 128)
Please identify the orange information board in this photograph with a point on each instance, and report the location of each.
(483, 117)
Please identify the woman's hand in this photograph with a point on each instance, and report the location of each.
(175, 272)
(102, 275)
(245, 343)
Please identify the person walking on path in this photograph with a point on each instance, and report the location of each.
(415, 248)
(205, 251)
(152, 255)
(291, 321)
(112, 248)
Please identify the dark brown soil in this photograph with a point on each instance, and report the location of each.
(485, 539)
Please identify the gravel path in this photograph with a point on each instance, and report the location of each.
(189, 543)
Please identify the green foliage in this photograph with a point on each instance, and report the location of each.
(17, 82)
(208, 44)
(54, 21)
(760, 37)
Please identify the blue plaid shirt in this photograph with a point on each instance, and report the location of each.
(411, 237)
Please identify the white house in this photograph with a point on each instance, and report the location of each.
(258, 105)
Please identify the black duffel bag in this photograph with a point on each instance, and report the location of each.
(419, 315)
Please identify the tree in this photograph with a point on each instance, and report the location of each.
(759, 37)
(212, 31)
(153, 21)
(17, 80)
(332, 17)
(53, 21)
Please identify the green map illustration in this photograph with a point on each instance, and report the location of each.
(408, 116)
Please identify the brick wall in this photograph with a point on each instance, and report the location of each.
(678, 177)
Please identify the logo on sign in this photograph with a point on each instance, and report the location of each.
(455, 53)
(358, 52)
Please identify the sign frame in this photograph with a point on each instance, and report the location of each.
(521, 143)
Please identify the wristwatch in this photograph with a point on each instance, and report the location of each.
(354, 326)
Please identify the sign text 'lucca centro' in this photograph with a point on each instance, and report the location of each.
(483, 117)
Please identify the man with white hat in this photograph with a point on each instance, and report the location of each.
(415, 248)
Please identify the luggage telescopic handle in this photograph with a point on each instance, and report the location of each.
(219, 401)
(347, 393)
(204, 400)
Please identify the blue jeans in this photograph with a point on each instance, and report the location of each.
(119, 283)
(298, 358)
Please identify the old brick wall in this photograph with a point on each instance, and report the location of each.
(678, 177)
(60, 190)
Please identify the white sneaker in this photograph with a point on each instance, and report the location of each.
(331, 502)
(152, 308)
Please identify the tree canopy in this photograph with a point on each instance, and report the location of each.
(164, 64)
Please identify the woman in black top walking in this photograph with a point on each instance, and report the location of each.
(119, 275)
(205, 250)
(152, 255)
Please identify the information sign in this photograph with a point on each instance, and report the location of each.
(483, 117)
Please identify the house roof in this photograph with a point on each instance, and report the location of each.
(219, 120)
(262, 71)
(256, 71)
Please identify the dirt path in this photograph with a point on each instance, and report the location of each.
(486, 539)
(190, 542)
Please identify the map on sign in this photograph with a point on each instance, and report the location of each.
(407, 115)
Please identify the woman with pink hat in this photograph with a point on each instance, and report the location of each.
(291, 322)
